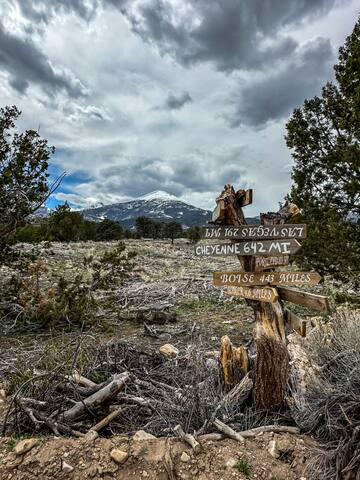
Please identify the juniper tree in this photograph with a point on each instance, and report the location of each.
(324, 136)
(24, 159)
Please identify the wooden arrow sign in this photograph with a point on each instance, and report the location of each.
(270, 278)
(265, 247)
(263, 263)
(262, 294)
(249, 232)
(305, 299)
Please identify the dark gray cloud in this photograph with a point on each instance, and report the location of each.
(198, 172)
(275, 95)
(41, 11)
(232, 34)
(26, 64)
(175, 102)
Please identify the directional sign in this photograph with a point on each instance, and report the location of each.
(305, 299)
(249, 232)
(263, 263)
(265, 247)
(262, 294)
(260, 278)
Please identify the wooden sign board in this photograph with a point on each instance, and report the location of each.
(249, 232)
(305, 299)
(265, 247)
(244, 197)
(295, 322)
(261, 294)
(268, 278)
(263, 263)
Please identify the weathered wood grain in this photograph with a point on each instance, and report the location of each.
(267, 278)
(265, 247)
(262, 294)
(295, 322)
(305, 299)
(249, 232)
(219, 211)
(244, 197)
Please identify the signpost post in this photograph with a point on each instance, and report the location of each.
(261, 248)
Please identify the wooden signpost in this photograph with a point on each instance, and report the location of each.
(269, 278)
(256, 247)
(264, 263)
(262, 294)
(250, 232)
(261, 248)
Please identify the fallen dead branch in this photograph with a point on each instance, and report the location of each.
(187, 438)
(228, 431)
(105, 393)
(105, 421)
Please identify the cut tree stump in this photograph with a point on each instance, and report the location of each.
(234, 361)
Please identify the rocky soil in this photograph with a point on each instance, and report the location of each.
(267, 456)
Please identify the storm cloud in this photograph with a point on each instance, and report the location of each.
(26, 64)
(176, 95)
(175, 102)
(277, 93)
(232, 34)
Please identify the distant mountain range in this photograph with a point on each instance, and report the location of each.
(158, 205)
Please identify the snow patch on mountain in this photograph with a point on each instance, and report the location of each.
(158, 195)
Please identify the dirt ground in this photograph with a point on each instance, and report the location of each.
(218, 460)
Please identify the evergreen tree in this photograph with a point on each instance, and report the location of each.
(24, 159)
(193, 234)
(172, 230)
(324, 135)
(109, 230)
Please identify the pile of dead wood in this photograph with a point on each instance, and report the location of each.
(123, 389)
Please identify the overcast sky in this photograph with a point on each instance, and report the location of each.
(175, 95)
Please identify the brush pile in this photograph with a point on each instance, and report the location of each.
(121, 389)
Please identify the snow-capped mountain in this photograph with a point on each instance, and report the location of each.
(158, 205)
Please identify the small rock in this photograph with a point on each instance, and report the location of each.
(25, 446)
(142, 435)
(91, 435)
(119, 456)
(185, 457)
(231, 463)
(66, 467)
(168, 350)
(273, 450)
(145, 474)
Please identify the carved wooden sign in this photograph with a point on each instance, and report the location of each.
(266, 247)
(263, 263)
(261, 294)
(249, 232)
(305, 299)
(271, 278)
